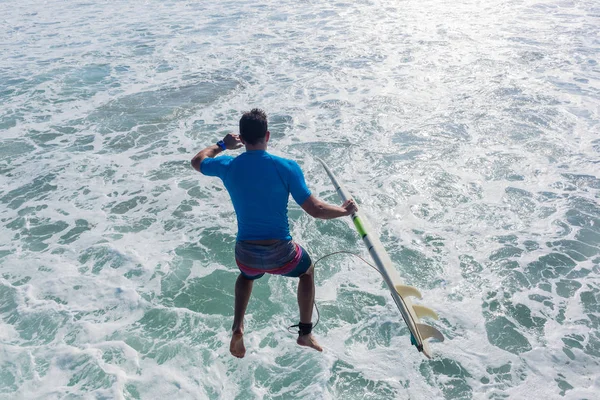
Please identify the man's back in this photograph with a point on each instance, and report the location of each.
(259, 184)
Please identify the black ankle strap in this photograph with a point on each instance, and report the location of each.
(304, 329)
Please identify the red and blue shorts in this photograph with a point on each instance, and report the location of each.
(285, 258)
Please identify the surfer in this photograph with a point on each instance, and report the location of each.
(259, 185)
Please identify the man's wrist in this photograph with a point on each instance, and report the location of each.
(222, 146)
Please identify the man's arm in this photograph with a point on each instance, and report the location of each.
(231, 142)
(319, 209)
(210, 152)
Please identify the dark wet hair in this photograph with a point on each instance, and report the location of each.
(253, 126)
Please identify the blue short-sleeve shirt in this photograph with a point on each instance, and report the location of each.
(259, 185)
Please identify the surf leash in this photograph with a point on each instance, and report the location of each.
(301, 330)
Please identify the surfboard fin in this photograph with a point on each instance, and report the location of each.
(423, 311)
(405, 291)
(427, 331)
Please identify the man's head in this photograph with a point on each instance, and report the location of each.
(253, 126)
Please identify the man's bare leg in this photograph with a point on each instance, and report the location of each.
(306, 299)
(243, 290)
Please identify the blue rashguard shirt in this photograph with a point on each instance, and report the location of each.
(259, 185)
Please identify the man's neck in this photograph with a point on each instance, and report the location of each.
(258, 146)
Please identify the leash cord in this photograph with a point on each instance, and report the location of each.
(315, 266)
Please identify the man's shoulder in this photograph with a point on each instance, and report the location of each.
(286, 162)
(216, 166)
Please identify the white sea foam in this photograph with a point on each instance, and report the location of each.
(467, 131)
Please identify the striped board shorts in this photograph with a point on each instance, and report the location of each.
(284, 257)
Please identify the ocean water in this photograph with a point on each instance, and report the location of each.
(468, 132)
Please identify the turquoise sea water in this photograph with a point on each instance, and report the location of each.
(468, 132)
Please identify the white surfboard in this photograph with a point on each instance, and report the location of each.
(411, 313)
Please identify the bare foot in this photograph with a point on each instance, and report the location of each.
(236, 347)
(309, 341)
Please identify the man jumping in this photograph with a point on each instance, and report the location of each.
(259, 185)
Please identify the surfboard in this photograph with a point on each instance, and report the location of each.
(401, 293)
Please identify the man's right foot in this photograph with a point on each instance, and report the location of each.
(309, 341)
(236, 347)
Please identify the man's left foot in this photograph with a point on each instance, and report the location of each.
(236, 347)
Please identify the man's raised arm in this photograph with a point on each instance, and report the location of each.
(230, 141)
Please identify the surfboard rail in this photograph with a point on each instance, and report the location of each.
(401, 294)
